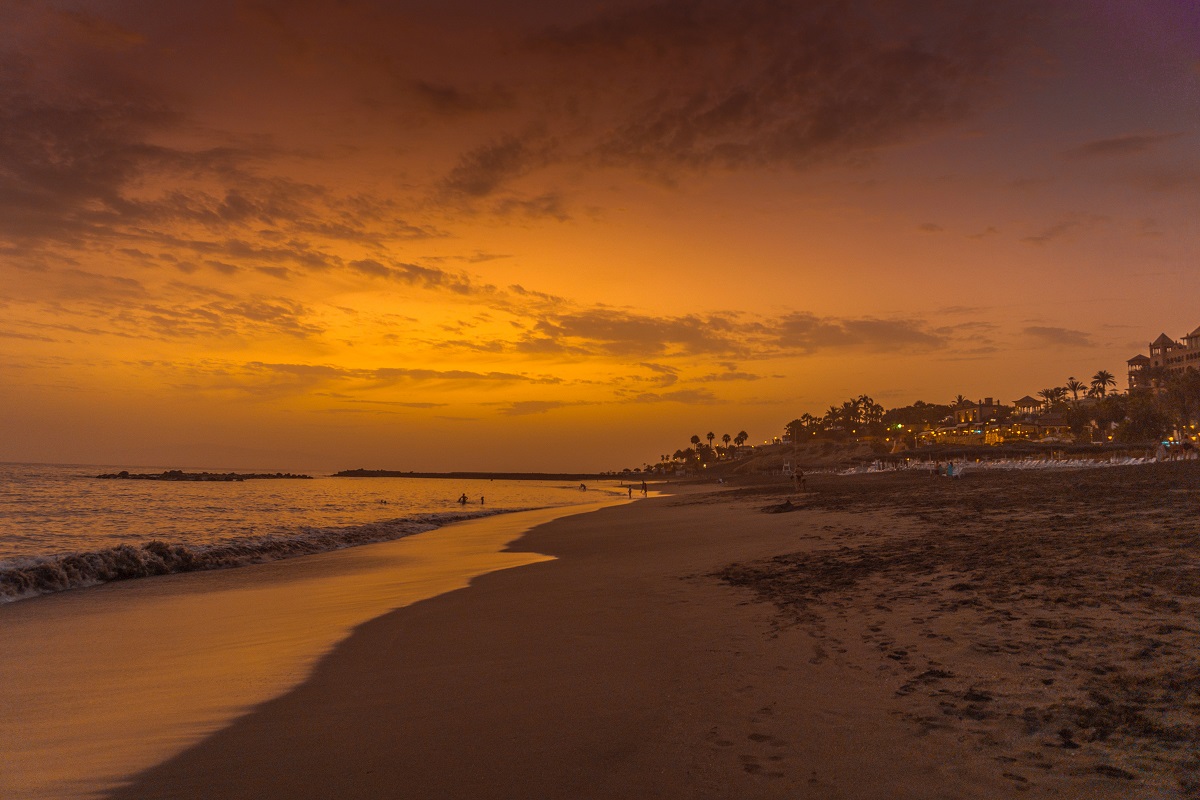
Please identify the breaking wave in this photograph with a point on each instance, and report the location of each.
(31, 576)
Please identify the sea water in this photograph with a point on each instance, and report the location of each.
(99, 683)
(61, 527)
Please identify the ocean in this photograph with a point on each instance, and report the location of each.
(61, 527)
(99, 683)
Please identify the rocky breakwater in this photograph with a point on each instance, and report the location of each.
(180, 475)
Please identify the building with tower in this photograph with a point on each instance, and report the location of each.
(1166, 356)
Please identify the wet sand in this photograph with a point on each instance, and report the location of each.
(97, 684)
(1002, 635)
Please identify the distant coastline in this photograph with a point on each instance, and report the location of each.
(502, 476)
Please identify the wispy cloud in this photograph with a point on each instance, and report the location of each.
(1063, 337)
(1119, 146)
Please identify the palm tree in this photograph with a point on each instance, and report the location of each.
(695, 440)
(726, 439)
(808, 420)
(959, 400)
(1047, 396)
(1074, 387)
(1102, 380)
(710, 436)
(866, 407)
(741, 438)
(849, 412)
(869, 410)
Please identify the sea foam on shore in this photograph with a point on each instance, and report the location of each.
(30, 576)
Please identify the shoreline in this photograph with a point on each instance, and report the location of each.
(505, 476)
(25, 578)
(102, 682)
(628, 665)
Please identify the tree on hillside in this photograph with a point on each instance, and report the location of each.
(1109, 412)
(726, 439)
(808, 420)
(695, 440)
(1074, 387)
(710, 436)
(919, 413)
(1145, 419)
(741, 438)
(1182, 397)
(1102, 380)
(959, 400)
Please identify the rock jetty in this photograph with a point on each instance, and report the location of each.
(180, 475)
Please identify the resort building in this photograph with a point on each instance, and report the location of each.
(1027, 406)
(983, 411)
(1166, 356)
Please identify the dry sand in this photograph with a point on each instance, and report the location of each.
(1003, 635)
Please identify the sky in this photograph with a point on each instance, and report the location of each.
(569, 235)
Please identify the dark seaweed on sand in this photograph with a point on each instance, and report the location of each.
(1087, 581)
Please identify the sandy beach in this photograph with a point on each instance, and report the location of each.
(897, 636)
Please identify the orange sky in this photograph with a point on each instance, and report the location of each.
(464, 236)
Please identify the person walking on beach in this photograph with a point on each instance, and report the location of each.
(630, 488)
(644, 490)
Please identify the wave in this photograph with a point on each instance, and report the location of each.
(25, 577)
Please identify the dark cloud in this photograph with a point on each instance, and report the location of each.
(664, 374)
(550, 205)
(1064, 337)
(1180, 178)
(985, 233)
(807, 333)
(1129, 144)
(930, 227)
(686, 396)
(345, 384)
(1050, 234)
(32, 337)
(482, 171)
(416, 275)
(622, 333)
(452, 100)
(732, 375)
(758, 83)
(523, 408)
